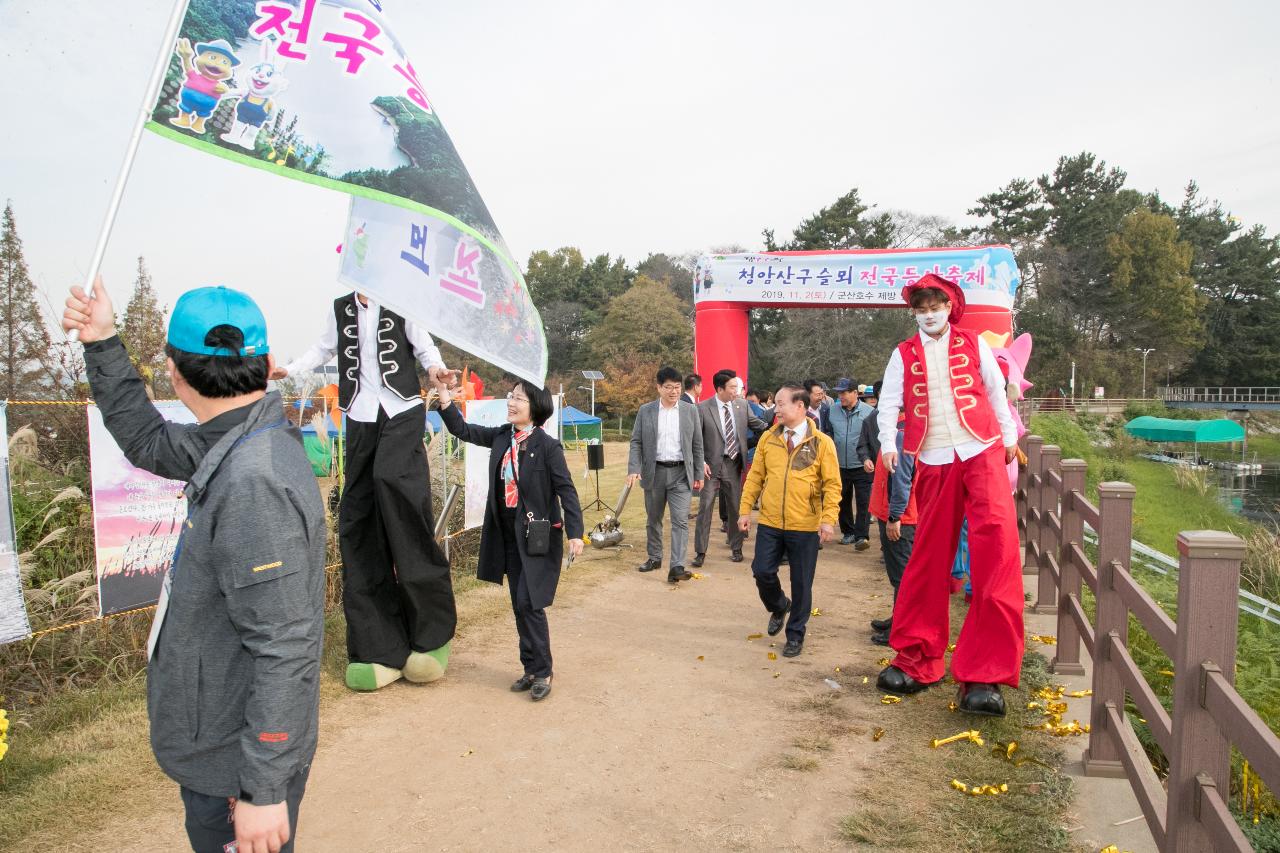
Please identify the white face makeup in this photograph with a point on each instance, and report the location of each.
(932, 322)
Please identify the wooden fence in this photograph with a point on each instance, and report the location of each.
(1189, 811)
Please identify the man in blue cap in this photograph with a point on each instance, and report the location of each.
(233, 660)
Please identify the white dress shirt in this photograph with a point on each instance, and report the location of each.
(668, 449)
(799, 433)
(371, 393)
(992, 379)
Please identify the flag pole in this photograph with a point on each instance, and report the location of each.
(131, 152)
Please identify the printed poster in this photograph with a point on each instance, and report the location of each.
(13, 608)
(136, 518)
(323, 91)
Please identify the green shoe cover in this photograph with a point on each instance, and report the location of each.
(370, 676)
(425, 667)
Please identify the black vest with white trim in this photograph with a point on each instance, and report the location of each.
(395, 355)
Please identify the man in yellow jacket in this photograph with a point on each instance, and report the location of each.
(796, 476)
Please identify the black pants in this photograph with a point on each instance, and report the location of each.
(209, 825)
(896, 554)
(800, 549)
(397, 592)
(855, 493)
(531, 622)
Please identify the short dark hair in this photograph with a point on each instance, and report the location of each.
(541, 405)
(752, 392)
(691, 380)
(798, 391)
(722, 378)
(929, 295)
(808, 385)
(221, 375)
(668, 374)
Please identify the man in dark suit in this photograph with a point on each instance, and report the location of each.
(725, 419)
(666, 459)
(692, 388)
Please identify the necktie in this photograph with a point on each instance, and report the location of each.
(791, 443)
(730, 435)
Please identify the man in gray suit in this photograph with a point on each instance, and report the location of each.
(725, 421)
(666, 458)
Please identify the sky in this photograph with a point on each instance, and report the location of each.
(656, 127)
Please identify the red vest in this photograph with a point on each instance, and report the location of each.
(880, 497)
(972, 404)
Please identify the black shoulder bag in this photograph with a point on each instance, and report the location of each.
(537, 531)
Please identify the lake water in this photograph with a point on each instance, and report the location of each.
(1254, 496)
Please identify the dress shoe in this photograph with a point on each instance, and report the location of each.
(541, 689)
(792, 648)
(678, 574)
(426, 667)
(777, 620)
(649, 565)
(522, 683)
(724, 528)
(735, 557)
(982, 699)
(880, 638)
(698, 560)
(881, 624)
(848, 539)
(862, 544)
(895, 681)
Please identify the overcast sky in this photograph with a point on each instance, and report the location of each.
(648, 127)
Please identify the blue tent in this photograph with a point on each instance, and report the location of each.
(576, 425)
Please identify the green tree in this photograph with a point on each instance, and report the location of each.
(24, 339)
(841, 225)
(1152, 295)
(143, 333)
(572, 296)
(646, 324)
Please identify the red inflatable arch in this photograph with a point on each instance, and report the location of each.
(727, 287)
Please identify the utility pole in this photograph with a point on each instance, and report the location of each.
(1145, 352)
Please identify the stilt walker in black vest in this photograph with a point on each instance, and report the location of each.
(397, 592)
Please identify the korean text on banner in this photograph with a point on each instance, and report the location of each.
(137, 517)
(323, 91)
(13, 610)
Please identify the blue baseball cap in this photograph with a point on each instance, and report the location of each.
(201, 309)
(843, 384)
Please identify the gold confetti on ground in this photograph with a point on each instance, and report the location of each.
(890, 700)
(702, 657)
(697, 576)
(1080, 694)
(1044, 639)
(865, 679)
(815, 612)
(951, 648)
(883, 661)
(837, 669)
(877, 734)
(777, 674)
(952, 706)
(773, 656)
(971, 735)
(468, 752)
(980, 790)
(1111, 848)
(754, 636)
(1167, 672)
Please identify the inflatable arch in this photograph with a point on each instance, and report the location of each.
(727, 287)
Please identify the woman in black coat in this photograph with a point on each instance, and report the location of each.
(531, 483)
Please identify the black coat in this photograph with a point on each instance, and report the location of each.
(544, 477)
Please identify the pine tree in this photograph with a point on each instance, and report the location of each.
(24, 339)
(143, 332)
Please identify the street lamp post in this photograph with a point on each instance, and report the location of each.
(593, 375)
(1145, 352)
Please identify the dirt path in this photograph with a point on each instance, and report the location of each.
(667, 729)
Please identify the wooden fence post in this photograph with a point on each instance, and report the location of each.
(1111, 625)
(1208, 600)
(1067, 659)
(1031, 507)
(1047, 586)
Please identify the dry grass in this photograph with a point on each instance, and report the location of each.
(800, 763)
(812, 743)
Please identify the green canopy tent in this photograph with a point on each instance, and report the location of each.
(1169, 429)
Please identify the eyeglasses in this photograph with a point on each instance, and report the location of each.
(513, 398)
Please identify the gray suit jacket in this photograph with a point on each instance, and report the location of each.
(712, 429)
(644, 442)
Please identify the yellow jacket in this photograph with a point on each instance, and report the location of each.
(799, 491)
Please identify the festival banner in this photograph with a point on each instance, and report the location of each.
(988, 275)
(136, 518)
(476, 464)
(13, 609)
(323, 91)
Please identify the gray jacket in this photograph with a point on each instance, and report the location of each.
(845, 427)
(713, 440)
(644, 442)
(233, 685)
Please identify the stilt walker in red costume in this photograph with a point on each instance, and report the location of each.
(958, 426)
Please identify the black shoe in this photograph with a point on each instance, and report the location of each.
(895, 681)
(862, 544)
(698, 560)
(649, 565)
(735, 557)
(522, 683)
(678, 574)
(724, 528)
(982, 699)
(792, 648)
(848, 539)
(541, 689)
(881, 624)
(777, 620)
(880, 638)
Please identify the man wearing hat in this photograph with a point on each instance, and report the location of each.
(843, 422)
(233, 660)
(958, 427)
